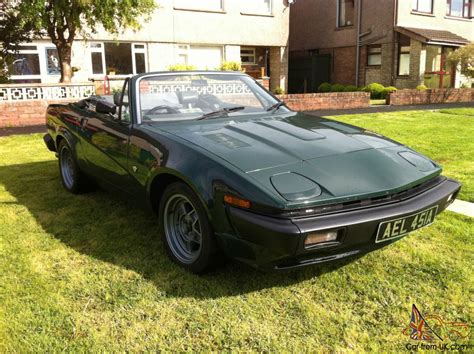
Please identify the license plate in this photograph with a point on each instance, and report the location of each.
(389, 230)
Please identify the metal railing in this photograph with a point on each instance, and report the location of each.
(20, 92)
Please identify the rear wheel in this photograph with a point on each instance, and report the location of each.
(185, 229)
(72, 177)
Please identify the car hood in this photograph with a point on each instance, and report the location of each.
(341, 159)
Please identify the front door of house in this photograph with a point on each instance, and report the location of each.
(439, 73)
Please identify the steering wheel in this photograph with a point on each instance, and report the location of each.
(168, 109)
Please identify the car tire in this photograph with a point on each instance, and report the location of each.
(73, 179)
(186, 231)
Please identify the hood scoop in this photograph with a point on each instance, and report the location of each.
(295, 187)
(292, 130)
(420, 162)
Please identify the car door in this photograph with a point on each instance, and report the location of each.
(106, 148)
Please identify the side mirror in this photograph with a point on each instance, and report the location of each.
(105, 107)
(117, 98)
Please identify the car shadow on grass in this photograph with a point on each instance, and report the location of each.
(102, 226)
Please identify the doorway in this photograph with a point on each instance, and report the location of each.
(439, 73)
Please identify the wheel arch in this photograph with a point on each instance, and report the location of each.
(160, 182)
(64, 134)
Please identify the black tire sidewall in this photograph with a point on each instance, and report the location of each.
(206, 257)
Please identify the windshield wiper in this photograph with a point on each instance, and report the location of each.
(275, 107)
(222, 111)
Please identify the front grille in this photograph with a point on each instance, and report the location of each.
(364, 203)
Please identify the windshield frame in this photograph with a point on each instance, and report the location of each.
(137, 79)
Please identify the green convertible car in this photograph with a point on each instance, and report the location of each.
(231, 171)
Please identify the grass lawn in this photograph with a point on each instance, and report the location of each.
(87, 273)
(446, 136)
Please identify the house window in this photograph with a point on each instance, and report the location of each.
(204, 5)
(183, 54)
(97, 58)
(118, 58)
(425, 6)
(205, 58)
(26, 65)
(52, 61)
(403, 59)
(257, 6)
(139, 58)
(345, 13)
(459, 8)
(247, 56)
(374, 55)
(201, 57)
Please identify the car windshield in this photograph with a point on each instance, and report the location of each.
(191, 96)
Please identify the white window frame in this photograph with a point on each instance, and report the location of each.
(222, 50)
(98, 50)
(46, 61)
(140, 51)
(29, 51)
(254, 55)
(134, 50)
(183, 50)
(338, 13)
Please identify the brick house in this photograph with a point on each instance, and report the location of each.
(403, 43)
(200, 33)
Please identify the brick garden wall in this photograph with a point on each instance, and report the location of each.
(32, 112)
(410, 97)
(333, 100)
(24, 113)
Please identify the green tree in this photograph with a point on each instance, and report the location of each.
(63, 20)
(464, 57)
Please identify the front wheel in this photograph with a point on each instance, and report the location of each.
(185, 229)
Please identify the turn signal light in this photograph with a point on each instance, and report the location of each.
(320, 237)
(236, 201)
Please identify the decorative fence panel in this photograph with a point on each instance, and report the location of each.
(23, 92)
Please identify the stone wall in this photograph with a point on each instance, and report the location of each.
(410, 97)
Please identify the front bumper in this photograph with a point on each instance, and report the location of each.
(274, 243)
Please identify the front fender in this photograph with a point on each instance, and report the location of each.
(209, 176)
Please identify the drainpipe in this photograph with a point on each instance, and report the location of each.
(359, 24)
(394, 43)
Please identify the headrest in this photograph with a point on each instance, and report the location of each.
(187, 97)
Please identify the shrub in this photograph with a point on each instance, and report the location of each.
(351, 88)
(421, 88)
(464, 57)
(324, 87)
(387, 90)
(181, 67)
(279, 91)
(337, 88)
(230, 66)
(376, 90)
